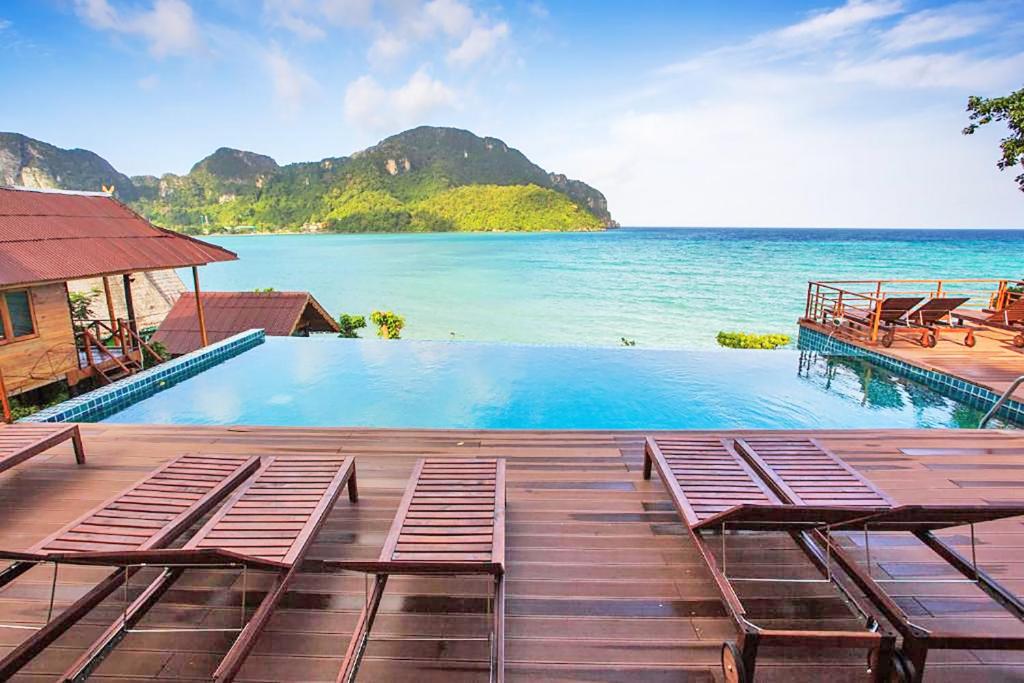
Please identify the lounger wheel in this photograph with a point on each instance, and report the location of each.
(902, 669)
(1018, 341)
(930, 340)
(732, 664)
(888, 338)
(969, 340)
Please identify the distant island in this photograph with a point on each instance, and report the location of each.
(427, 179)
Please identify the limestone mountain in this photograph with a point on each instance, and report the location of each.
(33, 163)
(425, 179)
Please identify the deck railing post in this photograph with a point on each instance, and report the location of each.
(3, 398)
(876, 320)
(120, 333)
(807, 306)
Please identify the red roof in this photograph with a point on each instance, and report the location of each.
(52, 236)
(281, 314)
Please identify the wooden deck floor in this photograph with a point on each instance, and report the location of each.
(993, 362)
(602, 583)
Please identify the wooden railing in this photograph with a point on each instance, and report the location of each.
(829, 301)
(119, 343)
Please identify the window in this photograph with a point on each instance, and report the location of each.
(16, 314)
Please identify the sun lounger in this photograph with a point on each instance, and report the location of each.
(888, 312)
(802, 472)
(715, 491)
(19, 442)
(929, 320)
(1010, 318)
(147, 515)
(268, 524)
(450, 521)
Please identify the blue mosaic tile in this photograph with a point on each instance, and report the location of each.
(105, 401)
(952, 387)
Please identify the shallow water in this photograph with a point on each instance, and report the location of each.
(662, 288)
(325, 381)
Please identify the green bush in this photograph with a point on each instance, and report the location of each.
(349, 324)
(746, 340)
(389, 325)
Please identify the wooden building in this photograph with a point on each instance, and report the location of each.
(48, 238)
(280, 314)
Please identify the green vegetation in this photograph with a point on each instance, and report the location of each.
(264, 290)
(985, 110)
(350, 324)
(80, 303)
(426, 179)
(745, 340)
(21, 409)
(627, 342)
(389, 325)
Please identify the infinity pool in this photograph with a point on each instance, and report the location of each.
(333, 382)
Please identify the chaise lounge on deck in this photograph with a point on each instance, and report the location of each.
(148, 515)
(19, 442)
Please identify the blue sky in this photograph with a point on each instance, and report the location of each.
(683, 113)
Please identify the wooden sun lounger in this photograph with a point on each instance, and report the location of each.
(451, 520)
(1009, 318)
(268, 524)
(147, 515)
(19, 442)
(887, 311)
(714, 490)
(930, 320)
(802, 472)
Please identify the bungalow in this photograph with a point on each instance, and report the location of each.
(51, 237)
(280, 314)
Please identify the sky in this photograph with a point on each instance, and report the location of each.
(745, 113)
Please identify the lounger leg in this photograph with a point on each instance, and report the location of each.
(498, 657)
(361, 633)
(881, 671)
(13, 571)
(24, 653)
(76, 441)
(747, 643)
(240, 649)
(917, 652)
(115, 633)
(353, 488)
(647, 464)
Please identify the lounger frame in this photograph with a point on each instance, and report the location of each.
(919, 520)
(441, 494)
(181, 474)
(277, 485)
(19, 442)
(766, 513)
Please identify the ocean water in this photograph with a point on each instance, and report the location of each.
(372, 383)
(663, 288)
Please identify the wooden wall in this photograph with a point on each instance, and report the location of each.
(48, 356)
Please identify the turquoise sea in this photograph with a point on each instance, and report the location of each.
(664, 288)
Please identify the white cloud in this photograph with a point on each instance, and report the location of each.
(851, 117)
(387, 48)
(4, 24)
(149, 82)
(538, 9)
(291, 84)
(348, 12)
(838, 22)
(451, 16)
(288, 14)
(959, 71)
(937, 26)
(371, 106)
(168, 25)
(480, 42)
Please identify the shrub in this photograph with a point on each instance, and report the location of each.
(389, 325)
(627, 342)
(745, 340)
(349, 324)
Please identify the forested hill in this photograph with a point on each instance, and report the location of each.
(425, 179)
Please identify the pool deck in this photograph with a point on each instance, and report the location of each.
(603, 584)
(993, 363)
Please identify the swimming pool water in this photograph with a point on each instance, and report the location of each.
(325, 381)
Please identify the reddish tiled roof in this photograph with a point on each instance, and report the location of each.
(228, 313)
(48, 236)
